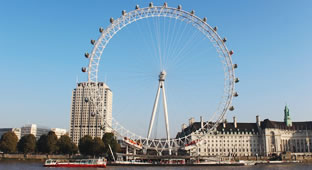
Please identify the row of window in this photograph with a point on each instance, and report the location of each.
(233, 145)
(228, 150)
(212, 141)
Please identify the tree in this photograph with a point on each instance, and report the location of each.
(27, 144)
(85, 143)
(74, 148)
(42, 144)
(66, 146)
(97, 146)
(109, 139)
(51, 142)
(8, 142)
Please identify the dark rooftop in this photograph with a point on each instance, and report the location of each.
(248, 127)
(282, 125)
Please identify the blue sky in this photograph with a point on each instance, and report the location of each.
(42, 45)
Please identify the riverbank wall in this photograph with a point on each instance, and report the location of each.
(32, 156)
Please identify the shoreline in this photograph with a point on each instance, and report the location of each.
(41, 162)
(39, 157)
(43, 157)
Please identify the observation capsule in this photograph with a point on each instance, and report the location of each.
(86, 100)
(101, 29)
(83, 69)
(192, 12)
(231, 52)
(179, 7)
(235, 94)
(111, 20)
(231, 108)
(92, 42)
(137, 7)
(87, 55)
(224, 40)
(215, 29)
(205, 19)
(236, 80)
(123, 12)
(165, 5)
(92, 114)
(151, 5)
(235, 65)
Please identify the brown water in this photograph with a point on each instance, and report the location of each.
(35, 165)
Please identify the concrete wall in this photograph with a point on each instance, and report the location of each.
(30, 156)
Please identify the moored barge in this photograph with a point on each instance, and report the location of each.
(95, 163)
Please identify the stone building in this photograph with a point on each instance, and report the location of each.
(261, 138)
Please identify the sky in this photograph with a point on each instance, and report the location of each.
(42, 45)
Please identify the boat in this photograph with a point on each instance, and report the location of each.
(95, 163)
(128, 163)
(219, 163)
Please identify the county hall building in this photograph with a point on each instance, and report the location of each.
(262, 138)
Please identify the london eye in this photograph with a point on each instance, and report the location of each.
(157, 17)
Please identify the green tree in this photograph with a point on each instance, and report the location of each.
(51, 142)
(85, 145)
(66, 146)
(8, 142)
(110, 139)
(97, 146)
(42, 144)
(27, 144)
(74, 148)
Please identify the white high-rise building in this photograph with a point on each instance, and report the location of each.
(86, 118)
(35, 130)
(29, 129)
(59, 132)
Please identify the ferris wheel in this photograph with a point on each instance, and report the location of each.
(225, 105)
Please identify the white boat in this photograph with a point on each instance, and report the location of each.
(95, 163)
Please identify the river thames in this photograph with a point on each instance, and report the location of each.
(35, 165)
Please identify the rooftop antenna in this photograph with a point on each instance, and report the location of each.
(77, 79)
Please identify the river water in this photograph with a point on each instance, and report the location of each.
(35, 165)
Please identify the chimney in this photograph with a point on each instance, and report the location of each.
(191, 121)
(201, 122)
(234, 122)
(183, 126)
(258, 121)
(224, 123)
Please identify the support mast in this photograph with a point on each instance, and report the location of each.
(161, 86)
